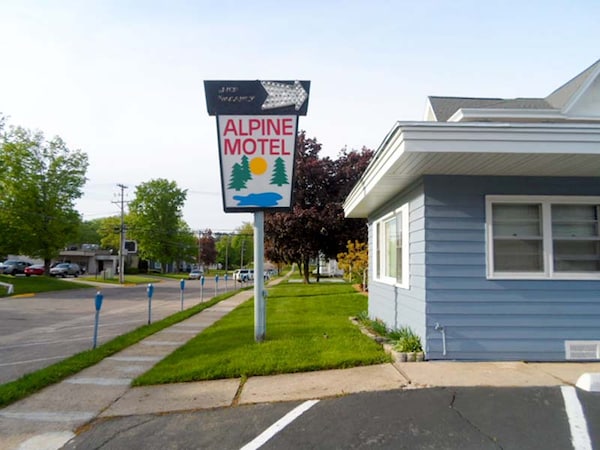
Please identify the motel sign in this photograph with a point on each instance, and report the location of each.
(257, 123)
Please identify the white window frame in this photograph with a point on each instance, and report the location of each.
(547, 239)
(380, 260)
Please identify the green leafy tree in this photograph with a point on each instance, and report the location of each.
(187, 245)
(110, 238)
(155, 215)
(223, 247)
(40, 181)
(279, 176)
(241, 250)
(88, 232)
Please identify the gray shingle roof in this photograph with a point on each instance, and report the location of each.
(445, 107)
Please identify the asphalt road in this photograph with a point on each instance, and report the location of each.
(38, 331)
(438, 418)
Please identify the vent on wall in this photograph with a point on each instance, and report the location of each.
(582, 350)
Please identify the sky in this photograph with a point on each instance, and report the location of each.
(122, 80)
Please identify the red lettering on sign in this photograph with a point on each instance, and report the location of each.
(234, 149)
(260, 146)
(263, 126)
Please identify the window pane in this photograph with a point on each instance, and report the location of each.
(390, 247)
(517, 229)
(505, 211)
(574, 221)
(517, 220)
(398, 270)
(378, 250)
(518, 255)
(576, 256)
(574, 212)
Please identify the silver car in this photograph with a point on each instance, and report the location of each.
(64, 269)
(195, 274)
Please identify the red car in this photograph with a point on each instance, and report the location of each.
(36, 269)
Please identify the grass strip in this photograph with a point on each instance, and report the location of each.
(129, 279)
(35, 381)
(307, 329)
(32, 285)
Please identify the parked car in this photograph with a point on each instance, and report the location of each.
(243, 275)
(195, 274)
(36, 269)
(64, 269)
(14, 267)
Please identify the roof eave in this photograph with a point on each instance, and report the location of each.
(412, 150)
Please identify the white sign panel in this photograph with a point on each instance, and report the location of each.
(257, 161)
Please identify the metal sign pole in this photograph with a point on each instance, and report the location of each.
(257, 124)
(260, 314)
(182, 287)
(98, 305)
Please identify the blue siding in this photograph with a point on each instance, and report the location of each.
(394, 305)
(497, 319)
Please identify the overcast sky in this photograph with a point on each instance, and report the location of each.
(123, 80)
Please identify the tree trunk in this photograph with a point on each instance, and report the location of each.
(306, 269)
(47, 266)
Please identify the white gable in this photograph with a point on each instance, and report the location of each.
(586, 103)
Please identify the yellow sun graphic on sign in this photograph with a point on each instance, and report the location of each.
(258, 165)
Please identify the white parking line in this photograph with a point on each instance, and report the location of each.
(262, 438)
(580, 437)
(47, 441)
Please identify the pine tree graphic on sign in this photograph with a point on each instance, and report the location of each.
(238, 178)
(246, 168)
(279, 175)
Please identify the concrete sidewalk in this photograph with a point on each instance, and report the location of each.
(49, 418)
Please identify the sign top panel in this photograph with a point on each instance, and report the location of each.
(257, 97)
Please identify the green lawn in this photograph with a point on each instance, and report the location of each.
(129, 279)
(32, 285)
(307, 329)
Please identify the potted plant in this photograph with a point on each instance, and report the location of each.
(409, 343)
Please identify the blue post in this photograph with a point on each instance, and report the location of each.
(226, 277)
(216, 284)
(202, 288)
(150, 291)
(98, 304)
(182, 287)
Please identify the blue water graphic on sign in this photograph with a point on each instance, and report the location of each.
(266, 199)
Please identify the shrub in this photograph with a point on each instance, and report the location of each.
(408, 341)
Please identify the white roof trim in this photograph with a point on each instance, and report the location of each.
(523, 115)
(411, 150)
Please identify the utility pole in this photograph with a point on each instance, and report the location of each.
(200, 235)
(122, 236)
